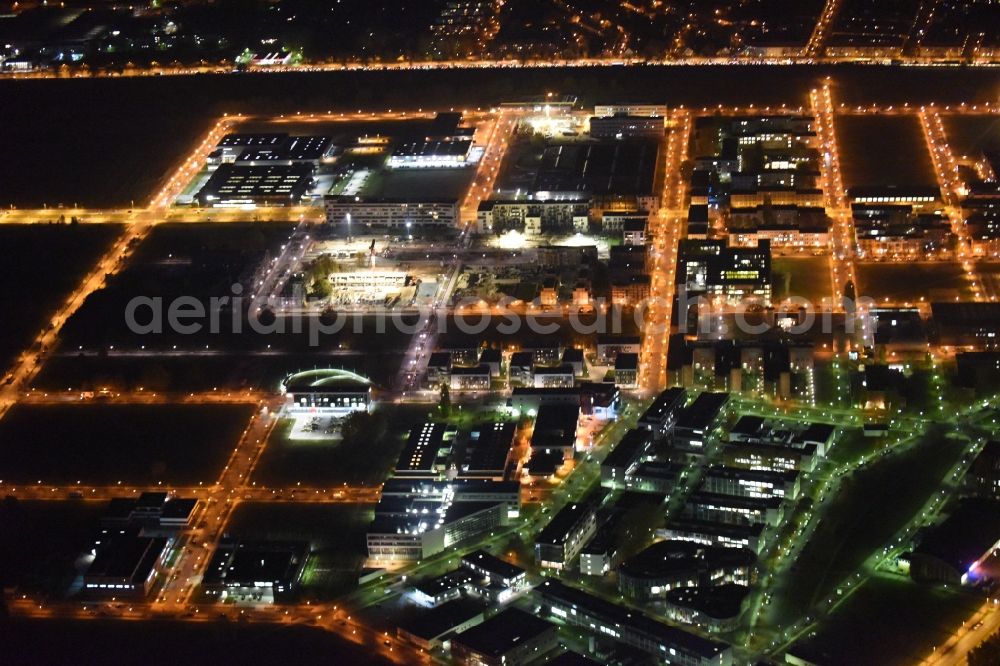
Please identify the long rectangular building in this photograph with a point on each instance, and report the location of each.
(694, 424)
(661, 416)
(750, 483)
(390, 213)
(561, 540)
(632, 627)
(417, 518)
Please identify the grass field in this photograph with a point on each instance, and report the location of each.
(801, 277)
(106, 443)
(204, 261)
(968, 134)
(42, 264)
(365, 459)
(871, 506)
(335, 532)
(41, 540)
(31, 642)
(988, 273)
(907, 283)
(911, 619)
(233, 371)
(883, 150)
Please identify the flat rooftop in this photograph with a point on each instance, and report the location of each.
(617, 167)
(503, 632)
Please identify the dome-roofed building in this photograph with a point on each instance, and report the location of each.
(326, 390)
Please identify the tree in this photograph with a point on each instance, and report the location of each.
(445, 403)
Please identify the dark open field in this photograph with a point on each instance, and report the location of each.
(871, 506)
(899, 282)
(911, 619)
(802, 277)
(194, 373)
(104, 142)
(335, 532)
(365, 459)
(204, 261)
(883, 150)
(968, 135)
(41, 541)
(103, 444)
(31, 642)
(42, 264)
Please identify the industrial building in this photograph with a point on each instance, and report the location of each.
(487, 450)
(125, 565)
(431, 154)
(240, 185)
(265, 569)
(625, 126)
(511, 638)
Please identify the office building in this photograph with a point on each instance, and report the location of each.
(770, 457)
(326, 391)
(431, 154)
(696, 422)
(629, 109)
(439, 590)
(750, 483)
(629, 626)
(555, 429)
(608, 346)
(984, 474)
(627, 370)
(495, 570)
(733, 509)
(426, 451)
(670, 565)
(660, 417)
(625, 457)
(733, 275)
(416, 518)
(558, 544)
(715, 534)
(600, 555)
(655, 477)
